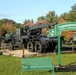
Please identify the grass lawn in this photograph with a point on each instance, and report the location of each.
(11, 65)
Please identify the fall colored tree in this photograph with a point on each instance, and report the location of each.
(8, 27)
(29, 24)
(44, 30)
(61, 21)
(41, 22)
(67, 34)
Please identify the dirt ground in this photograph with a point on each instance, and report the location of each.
(18, 53)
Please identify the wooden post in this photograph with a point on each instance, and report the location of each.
(23, 55)
(72, 46)
(4, 47)
(59, 61)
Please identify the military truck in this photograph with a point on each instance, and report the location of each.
(32, 38)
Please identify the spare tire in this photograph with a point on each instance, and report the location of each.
(38, 47)
(30, 46)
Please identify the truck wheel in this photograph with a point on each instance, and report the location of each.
(30, 46)
(10, 45)
(38, 47)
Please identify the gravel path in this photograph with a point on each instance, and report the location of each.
(18, 53)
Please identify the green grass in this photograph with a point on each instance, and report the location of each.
(11, 65)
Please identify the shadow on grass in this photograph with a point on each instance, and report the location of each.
(67, 68)
(1, 53)
(68, 48)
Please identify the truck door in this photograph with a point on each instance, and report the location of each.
(17, 37)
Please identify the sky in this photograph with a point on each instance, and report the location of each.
(19, 10)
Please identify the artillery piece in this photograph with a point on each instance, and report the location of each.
(32, 38)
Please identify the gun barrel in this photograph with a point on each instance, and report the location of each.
(42, 26)
(36, 29)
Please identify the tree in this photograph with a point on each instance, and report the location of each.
(72, 13)
(73, 8)
(18, 25)
(28, 22)
(4, 21)
(8, 27)
(61, 21)
(51, 17)
(70, 16)
(67, 34)
(41, 18)
(55, 18)
(65, 16)
(1, 31)
(41, 22)
(44, 30)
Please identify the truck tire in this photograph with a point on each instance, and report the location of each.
(38, 47)
(30, 46)
(10, 46)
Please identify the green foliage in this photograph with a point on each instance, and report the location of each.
(41, 18)
(73, 8)
(70, 16)
(51, 17)
(2, 21)
(64, 16)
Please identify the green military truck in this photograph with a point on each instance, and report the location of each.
(32, 38)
